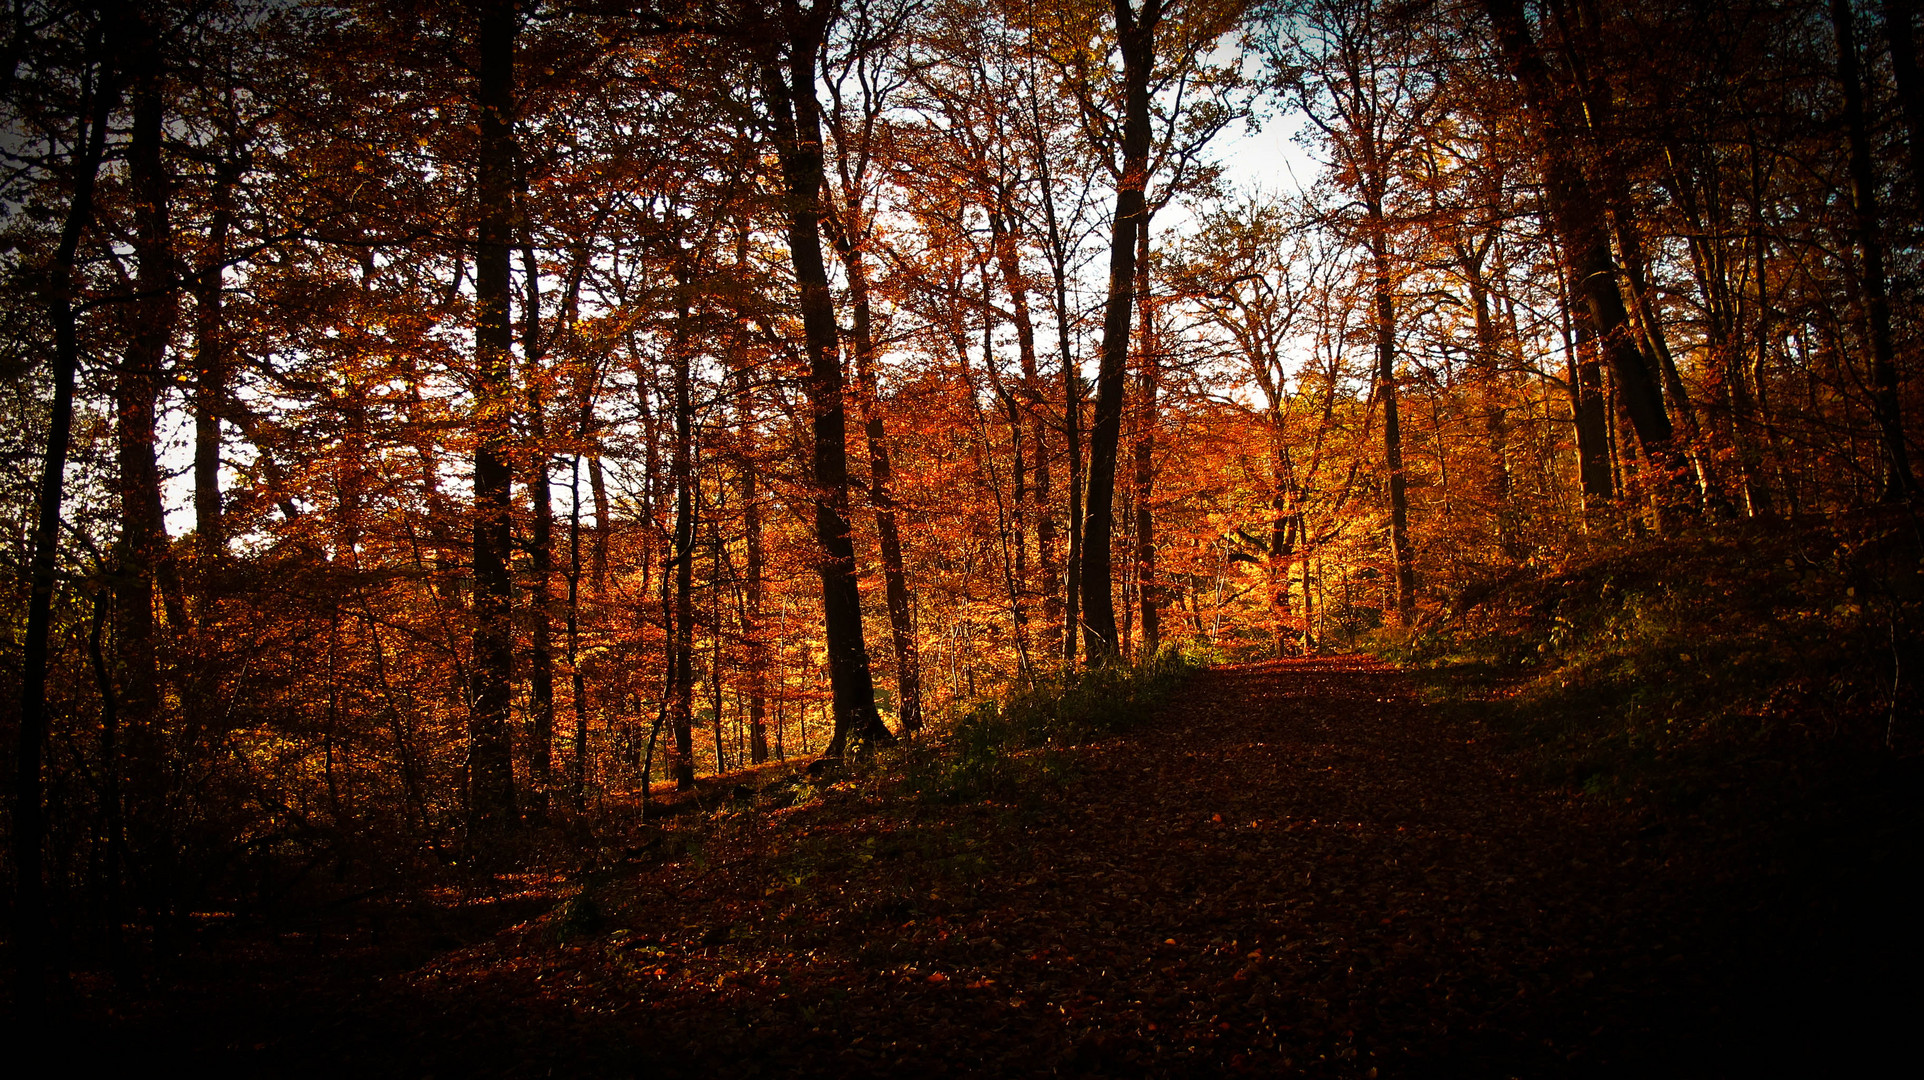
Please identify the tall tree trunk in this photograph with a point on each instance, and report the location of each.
(681, 648)
(908, 660)
(1900, 25)
(790, 95)
(141, 550)
(146, 569)
(1071, 409)
(210, 373)
(598, 554)
(715, 636)
(578, 682)
(1899, 482)
(491, 791)
(1589, 410)
(1009, 259)
(32, 937)
(1147, 591)
(1009, 520)
(1136, 37)
(1382, 287)
(540, 538)
(752, 599)
(1576, 215)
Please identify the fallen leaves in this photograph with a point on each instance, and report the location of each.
(1244, 906)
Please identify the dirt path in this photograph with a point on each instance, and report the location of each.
(1298, 869)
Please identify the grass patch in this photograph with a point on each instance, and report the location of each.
(1000, 746)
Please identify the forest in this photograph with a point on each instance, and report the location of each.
(480, 474)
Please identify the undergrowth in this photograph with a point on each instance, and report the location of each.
(998, 746)
(1632, 664)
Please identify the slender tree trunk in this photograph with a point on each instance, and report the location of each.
(1009, 259)
(210, 375)
(1382, 286)
(598, 555)
(908, 661)
(1147, 590)
(578, 682)
(1899, 482)
(491, 791)
(141, 550)
(1592, 417)
(681, 656)
(1009, 520)
(32, 937)
(790, 96)
(1071, 426)
(1900, 25)
(715, 637)
(1136, 35)
(1576, 215)
(752, 627)
(1284, 525)
(540, 542)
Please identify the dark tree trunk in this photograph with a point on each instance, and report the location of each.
(1136, 36)
(1384, 305)
(210, 374)
(908, 660)
(28, 834)
(540, 541)
(1576, 214)
(598, 554)
(578, 681)
(1900, 25)
(1147, 594)
(790, 95)
(1590, 414)
(1008, 257)
(1899, 482)
(681, 655)
(752, 598)
(1071, 414)
(142, 548)
(491, 792)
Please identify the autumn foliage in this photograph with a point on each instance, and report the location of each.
(432, 429)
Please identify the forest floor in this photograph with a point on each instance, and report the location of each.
(1299, 867)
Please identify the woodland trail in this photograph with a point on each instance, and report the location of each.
(1298, 868)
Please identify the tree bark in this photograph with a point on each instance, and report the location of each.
(1136, 36)
(1071, 407)
(1576, 215)
(491, 789)
(908, 660)
(210, 372)
(1588, 410)
(1899, 482)
(1009, 259)
(1382, 287)
(752, 599)
(1900, 25)
(141, 551)
(32, 937)
(1147, 594)
(681, 655)
(790, 95)
(540, 538)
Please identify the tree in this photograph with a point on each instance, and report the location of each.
(794, 115)
(98, 84)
